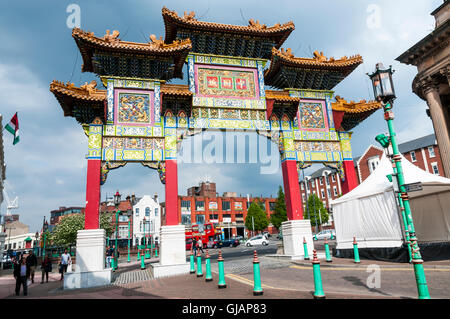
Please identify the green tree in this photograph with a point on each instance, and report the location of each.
(280, 212)
(260, 220)
(314, 208)
(65, 233)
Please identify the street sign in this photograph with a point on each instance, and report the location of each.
(413, 187)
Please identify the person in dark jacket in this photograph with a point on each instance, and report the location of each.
(21, 274)
(32, 262)
(46, 267)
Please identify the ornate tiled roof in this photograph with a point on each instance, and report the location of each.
(354, 107)
(281, 96)
(83, 103)
(347, 115)
(254, 40)
(87, 102)
(318, 72)
(93, 47)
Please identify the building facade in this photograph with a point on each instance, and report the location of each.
(146, 220)
(57, 214)
(431, 56)
(422, 152)
(18, 237)
(325, 184)
(227, 212)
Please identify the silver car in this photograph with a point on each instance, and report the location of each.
(326, 233)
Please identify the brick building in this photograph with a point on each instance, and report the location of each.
(422, 152)
(326, 184)
(126, 213)
(228, 211)
(57, 214)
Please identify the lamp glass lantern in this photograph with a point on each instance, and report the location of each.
(383, 86)
(117, 199)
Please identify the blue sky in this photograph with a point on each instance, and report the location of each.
(47, 169)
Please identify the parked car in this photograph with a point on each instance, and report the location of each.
(7, 262)
(326, 233)
(267, 234)
(231, 242)
(212, 244)
(257, 240)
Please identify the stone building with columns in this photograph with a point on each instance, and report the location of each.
(431, 56)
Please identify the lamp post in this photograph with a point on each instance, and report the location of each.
(44, 231)
(116, 203)
(35, 248)
(383, 88)
(133, 202)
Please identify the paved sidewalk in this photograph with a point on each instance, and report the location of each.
(280, 280)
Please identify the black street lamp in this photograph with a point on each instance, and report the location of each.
(116, 203)
(383, 86)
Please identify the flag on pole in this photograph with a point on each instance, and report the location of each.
(13, 128)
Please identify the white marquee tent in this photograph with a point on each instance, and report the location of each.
(369, 212)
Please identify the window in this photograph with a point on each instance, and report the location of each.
(156, 212)
(226, 205)
(327, 181)
(320, 181)
(123, 218)
(333, 177)
(323, 193)
(301, 186)
(185, 206)
(186, 219)
(335, 191)
(213, 216)
(200, 205)
(147, 211)
(413, 156)
(271, 206)
(373, 163)
(329, 193)
(123, 231)
(435, 168)
(303, 198)
(200, 219)
(137, 212)
(431, 151)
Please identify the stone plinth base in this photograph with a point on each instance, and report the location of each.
(87, 279)
(90, 261)
(159, 270)
(293, 233)
(172, 255)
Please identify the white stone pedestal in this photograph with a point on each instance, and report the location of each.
(90, 261)
(293, 233)
(172, 254)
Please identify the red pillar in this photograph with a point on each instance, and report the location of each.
(350, 181)
(292, 190)
(171, 193)
(92, 194)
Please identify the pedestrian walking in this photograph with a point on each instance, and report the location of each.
(64, 263)
(32, 263)
(194, 245)
(21, 274)
(200, 245)
(109, 256)
(46, 267)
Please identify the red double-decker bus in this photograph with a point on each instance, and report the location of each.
(208, 234)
